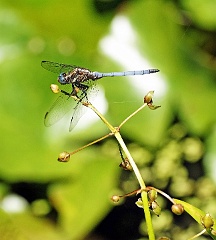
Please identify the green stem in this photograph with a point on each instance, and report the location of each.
(134, 113)
(91, 143)
(117, 135)
(130, 159)
(89, 105)
(142, 185)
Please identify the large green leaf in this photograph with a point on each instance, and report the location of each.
(83, 199)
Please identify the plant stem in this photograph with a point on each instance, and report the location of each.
(134, 113)
(89, 105)
(117, 135)
(91, 143)
(130, 159)
(142, 185)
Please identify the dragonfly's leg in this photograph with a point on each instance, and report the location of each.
(83, 88)
(74, 91)
(66, 93)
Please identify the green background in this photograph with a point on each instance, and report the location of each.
(177, 37)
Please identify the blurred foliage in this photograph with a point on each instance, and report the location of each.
(174, 146)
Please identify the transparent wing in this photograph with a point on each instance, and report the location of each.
(57, 67)
(64, 104)
(60, 107)
(79, 109)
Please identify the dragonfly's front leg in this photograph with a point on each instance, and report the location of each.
(66, 93)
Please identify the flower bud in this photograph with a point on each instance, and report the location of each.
(148, 97)
(178, 209)
(125, 164)
(55, 88)
(207, 221)
(152, 195)
(139, 203)
(156, 208)
(115, 198)
(64, 157)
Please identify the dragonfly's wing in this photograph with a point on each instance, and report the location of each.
(65, 103)
(60, 107)
(79, 109)
(57, 67)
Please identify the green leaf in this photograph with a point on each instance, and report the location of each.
(195, 213)
(13, 226)
(82, 200)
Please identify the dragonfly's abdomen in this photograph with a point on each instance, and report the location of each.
(127, 73)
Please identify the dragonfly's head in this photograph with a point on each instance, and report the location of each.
(63, 78)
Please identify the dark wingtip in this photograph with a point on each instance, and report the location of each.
(46, 115)
(42, 63)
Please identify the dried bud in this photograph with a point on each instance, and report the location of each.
(125, 165)
(148, 97)
(178, 209)
(115, 198)
(55, 88)
(207, 221)
(64, 157)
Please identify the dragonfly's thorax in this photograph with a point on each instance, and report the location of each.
(78, 75)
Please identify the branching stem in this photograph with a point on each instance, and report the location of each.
(116, 132)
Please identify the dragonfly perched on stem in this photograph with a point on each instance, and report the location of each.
(78, 82)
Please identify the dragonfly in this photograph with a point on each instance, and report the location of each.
(79, 82)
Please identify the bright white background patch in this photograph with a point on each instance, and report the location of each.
(13, 203)
(121, 46)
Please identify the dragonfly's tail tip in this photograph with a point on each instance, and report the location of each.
(154, 70)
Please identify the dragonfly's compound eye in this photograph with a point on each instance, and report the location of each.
(62, 78)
